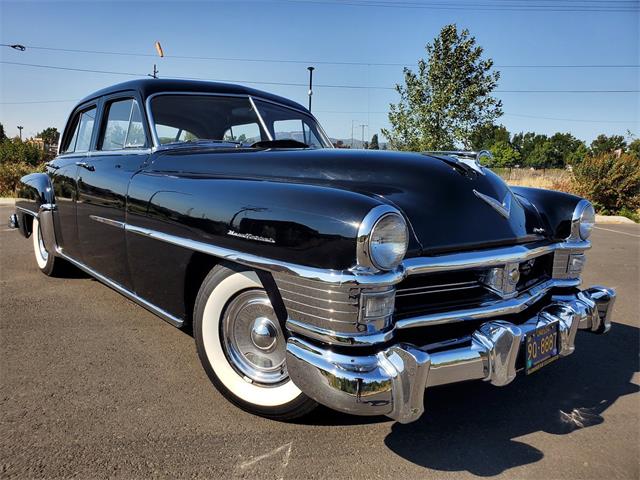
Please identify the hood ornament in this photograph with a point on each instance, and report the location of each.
(503, 208)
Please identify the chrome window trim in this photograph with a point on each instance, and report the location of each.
(156, 141)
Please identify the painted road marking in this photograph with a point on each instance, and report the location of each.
(618, 231)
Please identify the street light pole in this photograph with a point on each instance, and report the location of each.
(311, 69)
(363, 125)
(20, 127)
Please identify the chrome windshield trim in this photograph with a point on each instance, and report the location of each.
(485, 258)
(259, 115)
(154, 135)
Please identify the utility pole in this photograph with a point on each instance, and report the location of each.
(311, 69)
(363, 125)
(352, 134)
(20, 128)
(155, 72)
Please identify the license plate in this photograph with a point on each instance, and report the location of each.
(542, 347)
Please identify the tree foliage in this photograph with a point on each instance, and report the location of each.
(604, 144)
(447, 99)
(610, 181)
(49, 136)
(17, 158)
(374, 145)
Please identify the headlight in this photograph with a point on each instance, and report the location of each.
(383, 238)
(582, 221)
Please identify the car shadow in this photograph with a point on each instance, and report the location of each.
(472, 426)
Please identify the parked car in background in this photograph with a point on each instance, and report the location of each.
(353, 279)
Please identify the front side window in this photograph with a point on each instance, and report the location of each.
(184, 118)
(123, 128)
(82, 131)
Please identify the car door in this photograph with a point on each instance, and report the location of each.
(76, 143)
(121, 149)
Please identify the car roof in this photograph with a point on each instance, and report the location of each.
(149, 86)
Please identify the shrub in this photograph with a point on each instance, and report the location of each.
(611, 183)
(17, 159)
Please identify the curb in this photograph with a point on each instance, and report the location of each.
(613, 220)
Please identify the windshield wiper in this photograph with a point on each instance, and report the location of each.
(282, 143)
(202, 140)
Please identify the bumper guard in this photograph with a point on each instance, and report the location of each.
(392, 382)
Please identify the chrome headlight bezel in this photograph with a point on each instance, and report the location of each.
(366, 254)
(583, 220)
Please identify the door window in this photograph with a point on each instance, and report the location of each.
(123, 127)
(81, 139)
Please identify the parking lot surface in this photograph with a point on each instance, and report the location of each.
(94, 386)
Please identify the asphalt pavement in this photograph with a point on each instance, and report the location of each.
(94, 386)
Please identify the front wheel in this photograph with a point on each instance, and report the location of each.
(242, 347)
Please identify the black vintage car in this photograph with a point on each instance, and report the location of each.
(354, 279)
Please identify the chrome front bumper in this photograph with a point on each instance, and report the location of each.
(392, 382)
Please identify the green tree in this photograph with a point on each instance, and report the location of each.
(526, 143)
(485, 136)
(49, 136)
(504, 155)
(604, 144)
(560, 149)
(374, 145)
(448, 98)
(2, 134)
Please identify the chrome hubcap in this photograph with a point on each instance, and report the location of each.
(253, 340)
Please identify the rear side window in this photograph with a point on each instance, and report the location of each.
(81, 139)
(123, 127)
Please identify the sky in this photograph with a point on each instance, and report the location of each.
(322, 33)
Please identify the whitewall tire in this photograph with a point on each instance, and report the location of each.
(46, 261)
(242, 347)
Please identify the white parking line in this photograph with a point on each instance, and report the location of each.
(617, 231)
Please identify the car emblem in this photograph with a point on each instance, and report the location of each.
(503, 208)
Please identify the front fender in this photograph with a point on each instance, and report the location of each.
(555, 208)
(301, 224)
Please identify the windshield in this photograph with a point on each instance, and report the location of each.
(189, 118)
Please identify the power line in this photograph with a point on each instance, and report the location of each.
(363, 112)
(289, 84)
(529, 7)
(317, 62)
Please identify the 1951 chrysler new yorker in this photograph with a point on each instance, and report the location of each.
(353, 279)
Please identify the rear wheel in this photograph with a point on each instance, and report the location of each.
(242, 347)
(47, 261)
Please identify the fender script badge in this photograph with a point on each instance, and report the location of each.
(503, 208)
(248, 236)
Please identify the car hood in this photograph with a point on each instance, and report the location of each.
(448, 208)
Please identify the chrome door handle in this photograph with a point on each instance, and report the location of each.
(86, 165)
